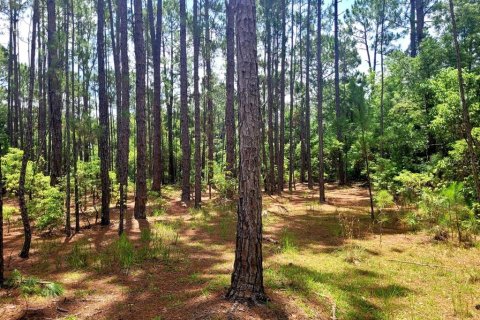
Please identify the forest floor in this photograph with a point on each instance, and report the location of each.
(320, 262)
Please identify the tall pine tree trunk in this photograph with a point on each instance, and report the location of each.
(321, 180)
(155, 38)
(247, 276)
(196, 97)
(140, 65)
(230, 97)
(103, 141)
(208, 88)
(54, 94)
(338, 110)
(281, 151)
(184, 135)
(124, 124)
(27, 150)
(292, 99)
(307, 103)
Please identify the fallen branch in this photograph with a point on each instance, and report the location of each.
(416, 263)
(264, 238)
(62, 310)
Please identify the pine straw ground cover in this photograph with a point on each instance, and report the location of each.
(320, 261)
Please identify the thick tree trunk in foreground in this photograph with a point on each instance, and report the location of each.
(104, 151)
(467, 125)
(321, 180)
(247, 276)
(230, 80)
(140, 65)
(184, 136)
(54, 93)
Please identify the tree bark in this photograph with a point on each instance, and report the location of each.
(124, 124)
(230, 94)
(281, 151)
(307, 103)
(140, 64)
(54, 93)
(321, 180)
(271, 174)
(29, 141)
(338, 110)
(68, 231)
(208, 87)
(247, 276)
(413, 31)
(103, 141)
(292, 98)
(155, 38)
(184, 136)
(196, 97)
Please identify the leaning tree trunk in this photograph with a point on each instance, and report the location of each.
(184, 136)
(27, 151)
(247, 276)
(140, 65)
(467, 125)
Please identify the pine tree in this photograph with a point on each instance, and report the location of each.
(247, 276)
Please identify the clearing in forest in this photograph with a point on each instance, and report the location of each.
(320, 261)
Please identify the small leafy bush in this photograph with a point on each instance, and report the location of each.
(33, 286)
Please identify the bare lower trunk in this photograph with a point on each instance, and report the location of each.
(247, 276)
(185, 139)
(140, 65)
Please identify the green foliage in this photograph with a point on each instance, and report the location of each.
(383, 199)
(33, 286)
(224, 186)
(78, 257)
(45, 203)
(287, 242)
(125, 252)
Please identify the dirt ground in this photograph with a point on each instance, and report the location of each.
(193, 283)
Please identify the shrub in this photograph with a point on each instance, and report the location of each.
(44, 203)
(78, 256)
(33, 286)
